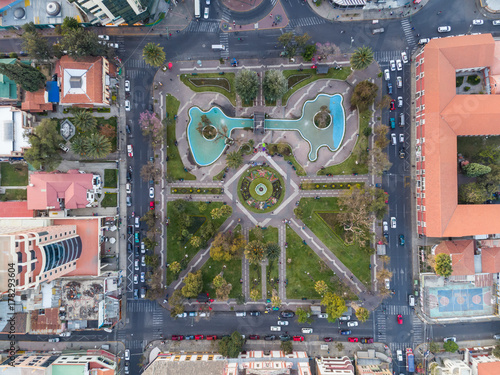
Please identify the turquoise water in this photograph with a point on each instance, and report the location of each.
(330, 137)
(206, 152)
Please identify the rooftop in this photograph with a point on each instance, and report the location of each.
(40, 12)
(462, 256)
(8, 88)
(12, 132)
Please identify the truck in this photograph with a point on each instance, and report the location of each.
(197, 13)
(410, 360)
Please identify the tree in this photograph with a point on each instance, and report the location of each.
(327, 49)
(150, 243)
(153, 54)
(234, 159)
(476, 169)
(489, 154)
(385, 102)
(361, 58)
(275, 299)
(231, 346)
(496, 351)
(154, 284)
(335, 306)
(152, 261)
(450, 346)
(254, 252)
(304, 316)
(434, 347)
(246, 85)
(195, 241)
(107, 131)
(35, 45)
(226, 246)
(97, 146)
(222, 292)
(202, 206)
(378, 205)
(78, 145)
(287, 347)
(286, 41)
(275, 85)
(176, 303)
(381, 140)
(44, 150)
(151, 125)
(193, 284)
(472, 193)
(379, 162)
(364, 95)
(443, 265)
(321, 287)
(222, 211)
(354, 205)
(175, 267)
(362, 314)
(69, 25)
(26, 76)
(301, 40)
(490, 181)
(149, 171)
(149, 218)
(309, 52)
(81, 42)
(84, 121)
(273, 251)
(255, 294)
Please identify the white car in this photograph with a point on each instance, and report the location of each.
(207, 9)
(127, 355)
(393, 65)
(387, 75)
(399, 354)
(400, 101)
(401, 138)
(136, 265)
(136, 279)
(496, 22)
(387, 284)
(427, 40)
(444, 29)
(477, 22)
(103, 37)
(151, 192)
(399, 65)
(393, 139)
(399, 82)
(345, 317)
(307, 330)
(275, 328)
(143, 276)
(453, 338)
(128, 188)
(182, 315)
(385, 226)
(143, 261)
(208, 2)
(127, 85)
(65, 334)
(130, 151)
(114, 45)
(127, 105)
(404, 57)
(352, 324)
(393, 222)
(323, 316)
(282, 322)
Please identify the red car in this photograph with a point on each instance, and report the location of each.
(386, 197)
(393, 105)
(198, 337)
(352, 339)
(400, 319)
(328, 339)
(152, 205)
(254, 337)
(212, 337)
(298, 338)
(177, 337)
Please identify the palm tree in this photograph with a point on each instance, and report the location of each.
(153, 54)
(234, 159)
(78, 145)
(361, 58)
(273, 250)
(97, 146)
(84, 121)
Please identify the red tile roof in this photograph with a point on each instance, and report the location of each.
(92, 91)
(490, 259)
(45, 189)
(462, 256)
(488, 368)
(448, 115)
(36, 102)
(15, 209)
(47, 322)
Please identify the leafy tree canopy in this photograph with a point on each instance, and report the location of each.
(443, 265)
(44, 150)
(28, 77)
(231, 346)
(246, 85)
(193, 284)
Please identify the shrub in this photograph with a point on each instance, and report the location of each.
(466, 88)
(460, 80)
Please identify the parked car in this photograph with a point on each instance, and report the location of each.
(130, 151)
(285, 337)
(282, 322)
(444, 29)
(190, 337)
(404, 57)
(352, 339)
(198, 337)
(323, 316)
(143, 277)
(143, 292)
(136, 264)
(192, 314)
(136, 279)
(181, 315)
(385, 226)
(393, 222)
(63, 147)
(211, 337)
(400, 101)
(393, 139)
(401, 138)
(270, 337)
(254, 337)
(399, 65)
(399, 354)
(152, 205)
(345, 317)
(399, 82)
(127, 355)
(65, 334)
(387, 75)
(401, 240)
(177, 337)
(128, 129)
(103, 37)
(127, 105)
(392, 64)
(328, 339)
(393, 105)
(129, 200)
(452, 338)
(151, 192)
(136, 294)
(387, 284)
(477, 22)
(400, 319)
(254, 313)
(352, 324)
(127, 85)
(143, 261)
(345, 332)
(298, 338)
(496, 22)
(275, 328)
(366, 340)
(307, 330)
(287, 314)
(137, 237)
(389, 88)
(205, 15)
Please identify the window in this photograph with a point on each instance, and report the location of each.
(417, 123)
(423, 208)
(417, 78)
(422, 75)
(423, 107)
(418, 207)
(418, 223)
(422, 60)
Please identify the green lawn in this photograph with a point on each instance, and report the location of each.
(109, 200)
(177, 249)
(270, 235)
(232, 274)
(340, 74)
(14, 174)
(231, 94)
(349, 166)
(110, 178)
(470, 147)
(272, 271)
(101, 121)
(255, 277)
(14, 195)
(175, 166)
(291, 158)
(302, 260)
(354, 257)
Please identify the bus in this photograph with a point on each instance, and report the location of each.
(410, 360)
(197, 13)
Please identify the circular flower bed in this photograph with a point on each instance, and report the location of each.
(209, 132)
(322, 119)
(261, 189)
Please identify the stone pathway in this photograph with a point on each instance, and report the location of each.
(282, 261)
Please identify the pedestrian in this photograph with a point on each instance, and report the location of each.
(271, 15)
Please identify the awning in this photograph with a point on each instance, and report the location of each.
(346, 3)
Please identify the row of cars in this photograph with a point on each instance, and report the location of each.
(250, 337)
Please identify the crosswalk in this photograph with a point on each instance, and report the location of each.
(380, 320)
(202, 27)
(397, 309)
(135, 63)
(386, 56)
(418, 330)
(224, 40)
(226, 14)
(410, 38)
(142, 306)
(306, 21)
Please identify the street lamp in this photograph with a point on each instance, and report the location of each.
(352, 40)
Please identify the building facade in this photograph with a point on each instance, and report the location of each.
(116, 12)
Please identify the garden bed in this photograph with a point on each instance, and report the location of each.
(216, 82)
(255, 278)
(110, 178)
(14, 195)
(261, 189)
(14, 174)
(288, 158)
(330, 186)
(191, 190)
(109, 200)
(296, 78)
(232, 274)
(228, 77)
